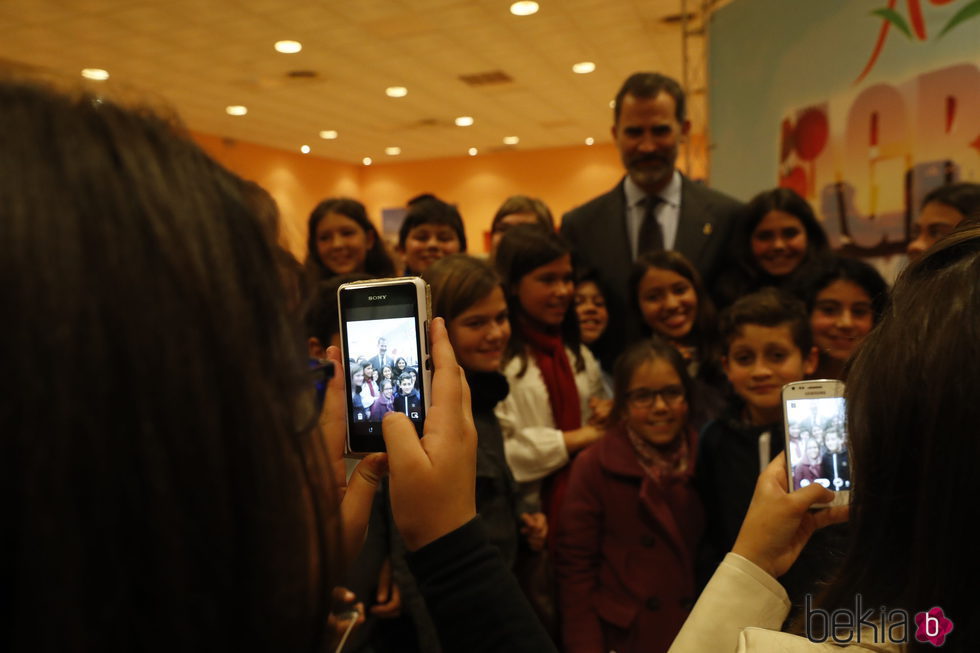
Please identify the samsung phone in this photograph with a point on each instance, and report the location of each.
(816, 437)
(384, 327)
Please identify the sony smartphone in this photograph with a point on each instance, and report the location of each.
(384, 327)
(816, 437)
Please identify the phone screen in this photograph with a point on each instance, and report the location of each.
(817, 443)
(381, 338)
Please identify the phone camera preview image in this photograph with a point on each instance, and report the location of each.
(817, 443)
(381, 326)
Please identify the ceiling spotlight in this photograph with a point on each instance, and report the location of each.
(589, 140)
(464, 121)
(583, 67)
(524, 8)
(612, 104)
(236, 110)
(328, 134)
(305, 149)
(511, 140)
(393, 151)
(97, 74)
(473, 151)
(366, 161)
(288, 47)
(396, 91)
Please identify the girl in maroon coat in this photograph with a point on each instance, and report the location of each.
(631, 519)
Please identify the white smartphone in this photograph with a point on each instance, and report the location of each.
(815, 425)
(384, 327)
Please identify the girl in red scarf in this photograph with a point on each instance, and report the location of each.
(556, 384)
(631, 518)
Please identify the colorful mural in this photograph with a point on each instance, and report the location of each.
(861, 108)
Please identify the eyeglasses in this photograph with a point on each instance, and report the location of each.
(647, 397)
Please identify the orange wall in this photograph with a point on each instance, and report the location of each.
(298, 182)
(562, 177)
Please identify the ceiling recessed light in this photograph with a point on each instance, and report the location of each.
(589, 140)
(393, 151)
(366, 161)
(612, 104)
(288, 47)
(328, 134)
(97, 74)
(524, 8)
(236, 110)
(464, 121)
(511, 140)
(305, 149)
(396, 91)
(473, 151)
(583, 67)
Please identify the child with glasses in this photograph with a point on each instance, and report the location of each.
(631, 520)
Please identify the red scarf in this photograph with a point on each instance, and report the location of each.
(559, 379)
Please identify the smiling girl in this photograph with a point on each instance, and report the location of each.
(844, 298)
(632, 519)
(776, 235)
(555, 382)
(467, 292)
(342, 240)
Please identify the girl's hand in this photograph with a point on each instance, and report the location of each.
(535, 529)
(778, 524)
(433, 480)
(356, 496)
(601, 408)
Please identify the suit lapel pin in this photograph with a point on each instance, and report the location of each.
(706, 229)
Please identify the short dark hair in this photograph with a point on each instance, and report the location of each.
(644, 351)
(769, 307)
(649, 85)
(829, 268)
(429, 209)
(376, 263)
(962, 196)
(406, 375)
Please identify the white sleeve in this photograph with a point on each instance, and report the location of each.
(740, 595)
(533, 447)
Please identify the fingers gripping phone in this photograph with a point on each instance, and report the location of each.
(816, 437)
(384, 326)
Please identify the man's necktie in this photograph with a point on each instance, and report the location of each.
(651, 235)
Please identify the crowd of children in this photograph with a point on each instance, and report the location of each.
(634, 482)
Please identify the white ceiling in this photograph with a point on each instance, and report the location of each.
(202, 55)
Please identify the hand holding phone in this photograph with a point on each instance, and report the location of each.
(778, 523)
(433, 480)
(383, 325)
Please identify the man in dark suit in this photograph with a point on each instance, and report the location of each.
(382, 359)
(653, 207)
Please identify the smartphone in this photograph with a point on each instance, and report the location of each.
(815, 424)
(384, 327)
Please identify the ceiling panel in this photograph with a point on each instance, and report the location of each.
(202, 55)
